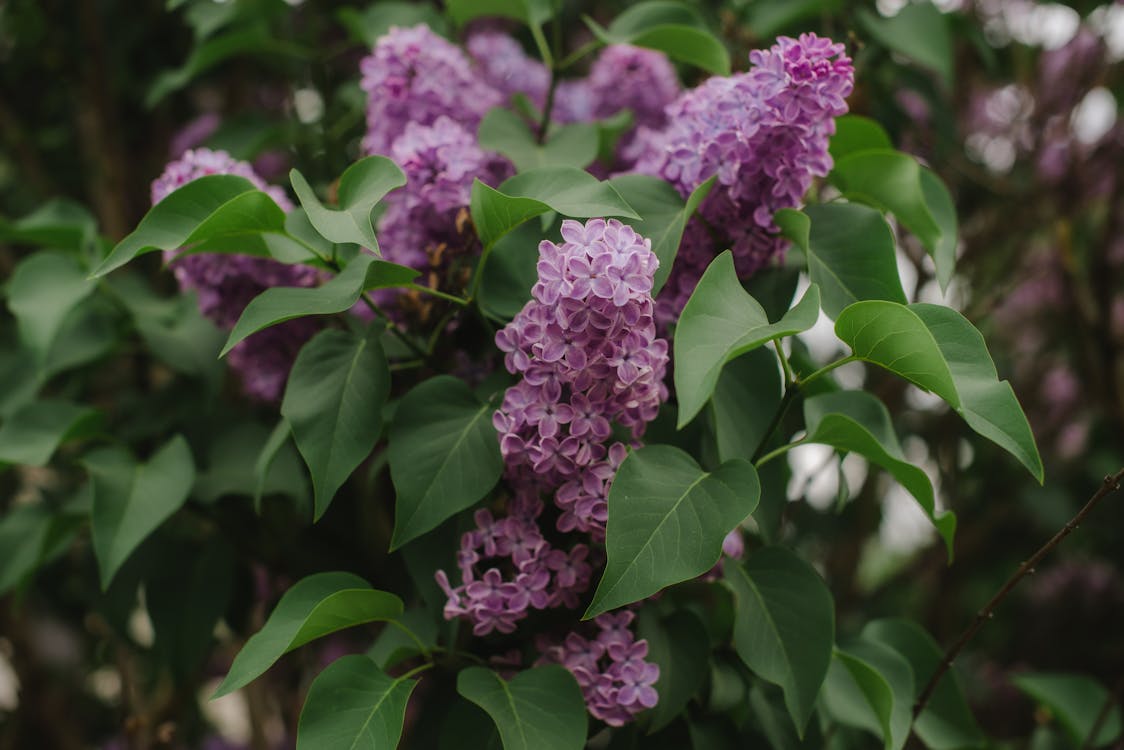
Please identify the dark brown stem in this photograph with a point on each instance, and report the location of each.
(1110, 700)
(1110, 485)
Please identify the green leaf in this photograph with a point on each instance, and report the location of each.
(171, 223)
(1075, 700)
(893, 336)
(890, 181)
(919, 32)
(30, 535)
(131, 500)
(986, 403)
(720, 322)
(361, 187)
(675, 29)
(854, 133)
(871, 687)
(541, 709)
(339, 294)
(746, 397)
(943, 210)
(569, 191)
(667, 520)
(534, 12)
(367, 25)
(572, 145)
(43, 289)
(850, 252)
(256, 40)
(30, 436)
(784, 627)
(59, 223)
(512, 271)
(353, 704)
(947, 722)
(444, 455)
(857, 422)
(89, 332)
(276, 446)
(314, 607)
(333, 402)
(413, 634)
(768, 18)
(664, 215)
(232, 454)
(680, 646)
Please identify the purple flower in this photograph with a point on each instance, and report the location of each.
(504, 65)
(415, 76)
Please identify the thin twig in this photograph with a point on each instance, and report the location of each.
(1110, 485)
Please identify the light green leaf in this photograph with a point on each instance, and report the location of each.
(919, 32)
(986, 403)
(361, 187)
(30, 436)
(850, 252)
(314, 607)
(43, 289)
(504, 131)
(680, 646)
(333, 402)
(947, 722)
(1075, 700)
(784, 626)
(943, 210)
(664, 215)
(676, 29)
(890, 181)
(854, 133)
(131, 500)
(746, 397)
(529, 12)
(353, 704)
(444, 455)
(870, 686)
(720, 322)
(894, 337)
(667, 520)
(337, 295)
(857, 422)
(495, 214)
(541, 709)
(58, 223)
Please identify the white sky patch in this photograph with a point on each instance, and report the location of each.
(1094, 116)
(309, 105)
(814, 475)
(230, 714)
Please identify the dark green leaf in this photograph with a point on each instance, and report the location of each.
(88, 332)
(947, 722)
(353, 704)
(572, 145)
(854, 133)
(367, 25)
(680, 645)
(943, 210)
(1075, 700)
(444, 455)
(745, 399)
(850, 252)
(231, 469)
(667, 520)
(361, 187)
(541, 709)
(30, 535)
(767, 18)
(59, 223)
(413, 634)
(890, 181)
(675, 29)
(664, 215)
(857, 422)
(871, 687)
(512, 271)
(314, 607)
(131, 500)
(278, 304)
(333, 402)
(43, 289)
(919, 32)
(785, 625)
(986, 403)
(277, 448)
(534, 12)
(720, 322)
(31, 434)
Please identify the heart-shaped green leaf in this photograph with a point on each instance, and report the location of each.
(855, 133)
(673, 28)
(314, 607)
(32, 434)
(43, 289)
(680, 646)
(722, 321)
(354, 704)
(504, 131)
(667, 520)
(745, 399)
(891, 181)
(919, 32)
(361, 187)
(541, 709)
(870, 686)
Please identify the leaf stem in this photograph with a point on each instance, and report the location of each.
(1108, 486)
(826, 369)
(392, 326)
(782, 409)
(439, 294)
(789, 377)
(416, 670)
(777, 452)
(579, 53)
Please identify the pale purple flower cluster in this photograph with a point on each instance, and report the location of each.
(633, 78)
(226, 283)
(764, 133)
(415, 76)
(615, 679)
(504, 65)
(508, 568)
(587, 351)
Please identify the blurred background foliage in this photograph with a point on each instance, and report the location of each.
(1012, 102)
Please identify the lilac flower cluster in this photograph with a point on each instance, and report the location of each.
(616, 681)
(764, 133)
(225, 284)
(415, 76)
(508, 568)
(633, 78)
(587, 351)
(504, 65)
